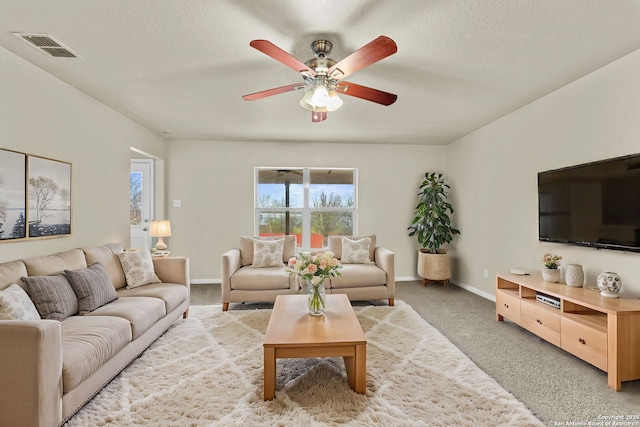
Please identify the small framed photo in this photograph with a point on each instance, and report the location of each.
(12, 195)
(48, 197)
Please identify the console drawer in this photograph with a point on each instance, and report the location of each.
(587, 343)
(541, 330)
(508, 305)
(547, 316)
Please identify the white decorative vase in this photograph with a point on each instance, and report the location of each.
(551, 275)
(609, 284)
(574, 275)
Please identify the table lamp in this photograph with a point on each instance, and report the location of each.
(160, 229)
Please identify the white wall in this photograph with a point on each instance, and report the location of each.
(214, 181)
(41, 115)
(494, 175)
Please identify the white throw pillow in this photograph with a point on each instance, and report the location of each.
(355, 251)
(15, 304)
(138, 268)
(267, 253)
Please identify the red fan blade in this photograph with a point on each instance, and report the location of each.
(271, 92)
(368, 54)
(366, 93)
(280, 55)
(318, 116)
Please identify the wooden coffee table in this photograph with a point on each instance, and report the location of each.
(293, 333)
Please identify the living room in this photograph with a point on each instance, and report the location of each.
(492, 171)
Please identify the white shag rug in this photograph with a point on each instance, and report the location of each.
(207, 370)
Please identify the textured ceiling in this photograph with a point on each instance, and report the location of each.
(183, 66)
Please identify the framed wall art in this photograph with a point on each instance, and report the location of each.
(48, 197)
(12, 195)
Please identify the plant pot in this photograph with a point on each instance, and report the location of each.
(434, 266)
(551, 274)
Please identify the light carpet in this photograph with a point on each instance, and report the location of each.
(207, 370)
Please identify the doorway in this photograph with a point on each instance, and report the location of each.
(141, 201)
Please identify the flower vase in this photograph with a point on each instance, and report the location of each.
(317, 298)
(550, 274)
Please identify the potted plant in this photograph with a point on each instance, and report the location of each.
(550, 271)
(432, 227)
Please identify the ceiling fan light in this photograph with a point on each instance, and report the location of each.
(320, 96)
(334, 101)
(307, 101)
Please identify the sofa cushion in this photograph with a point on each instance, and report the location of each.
(172, 294)
(107, 255)
(52, 296)
(57, 263)
(355, 251)
(250, 278)
(267, 253)
(92, 287)
(15, 304)
(359, 275)
(246, 248)
(335, 245)
(141, 312)
(88, 342)
(11, 272)
(138, 268)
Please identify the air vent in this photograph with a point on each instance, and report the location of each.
(47, 44)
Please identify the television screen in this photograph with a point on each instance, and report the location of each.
(594, 204)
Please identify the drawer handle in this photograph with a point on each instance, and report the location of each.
(506, 305)
(581, 341)
(539, 321)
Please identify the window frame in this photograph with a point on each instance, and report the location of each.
(306, 210)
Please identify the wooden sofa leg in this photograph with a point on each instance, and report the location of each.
(391, 302)
(185, 314)
(225, 306)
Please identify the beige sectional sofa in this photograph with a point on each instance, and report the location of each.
(373, 279)
(50, 368)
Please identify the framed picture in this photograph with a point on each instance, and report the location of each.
(48, 197)
(12, 195)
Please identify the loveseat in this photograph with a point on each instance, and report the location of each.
(247, 277)
(50, 368)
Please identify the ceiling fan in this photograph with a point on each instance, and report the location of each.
(322, 76)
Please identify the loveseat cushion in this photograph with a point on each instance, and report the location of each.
(52, 295)
(172, 294)
(246, 248)
(88, 342)
(359, 275)
(250, 278)
(141, 312)
(52, 264)
(335, 245)
(92, 287)
(107, 255)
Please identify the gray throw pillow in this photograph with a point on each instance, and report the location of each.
(52, 295)
(92, 286)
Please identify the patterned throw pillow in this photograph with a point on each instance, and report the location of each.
(267, 253)
(52, 296)
(92, 287)
(355, 251)
(15, 304)
(138, 268)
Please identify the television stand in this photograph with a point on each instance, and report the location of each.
(604, 332)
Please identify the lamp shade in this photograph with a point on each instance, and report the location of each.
(161, 228)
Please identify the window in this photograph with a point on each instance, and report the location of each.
(307, 202)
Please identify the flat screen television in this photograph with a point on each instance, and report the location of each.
(594, 204)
